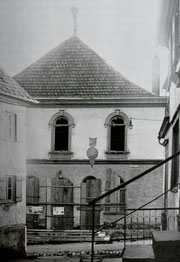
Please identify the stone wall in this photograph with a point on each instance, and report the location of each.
(12, 241)
(137, 194)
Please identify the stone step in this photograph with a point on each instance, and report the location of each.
(139, 253)
(166, 245)
(49, 236)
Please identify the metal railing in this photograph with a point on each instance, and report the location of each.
(95, 200)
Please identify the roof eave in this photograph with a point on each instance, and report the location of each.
(16, 100)
(100, 100)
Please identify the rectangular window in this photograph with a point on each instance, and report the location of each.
(175, 161)
(8, 188)
(10, 126)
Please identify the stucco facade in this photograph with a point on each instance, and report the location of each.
(143, 151)
(13, 101)
(90, 122)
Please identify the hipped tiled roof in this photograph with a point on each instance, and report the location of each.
(9, 87)
(74, 70)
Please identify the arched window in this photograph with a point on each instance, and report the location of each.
(117, 124)
(61, 134)
(61, 124)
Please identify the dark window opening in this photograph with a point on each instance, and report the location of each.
(9, 188)
(175, 161)
(117, 138)
(61, 134)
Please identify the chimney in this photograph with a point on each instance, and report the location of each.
(156, 76)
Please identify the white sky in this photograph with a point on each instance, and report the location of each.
(121, 31)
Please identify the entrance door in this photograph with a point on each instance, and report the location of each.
(61, 194)
(90, 188)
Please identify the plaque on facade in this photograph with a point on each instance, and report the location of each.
(58, 211)
(34, 210)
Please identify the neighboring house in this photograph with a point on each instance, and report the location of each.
(81, 97)
(13, 101)
(169, 134)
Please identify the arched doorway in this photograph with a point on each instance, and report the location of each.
(62, 209)
(90, 188)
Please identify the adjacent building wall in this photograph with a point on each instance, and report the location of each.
(12, 162)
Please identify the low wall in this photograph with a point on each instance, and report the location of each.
(13, 241)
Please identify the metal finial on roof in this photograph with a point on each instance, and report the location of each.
(74, 11)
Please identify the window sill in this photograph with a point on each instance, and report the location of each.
(60, 154)
(117, 154)
(7, 202)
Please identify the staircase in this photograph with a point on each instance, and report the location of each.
(165, 248)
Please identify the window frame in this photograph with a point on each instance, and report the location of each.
(52, 125)
(10, 136)
(6, 189)
(126, 124)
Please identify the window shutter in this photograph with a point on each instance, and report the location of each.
(2, 188)
(19, 181)
(122, 196)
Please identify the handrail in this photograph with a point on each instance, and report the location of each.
(95, 200)
(134, 210)
(92, 202)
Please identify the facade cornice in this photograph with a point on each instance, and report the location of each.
(131, 101)
(98, 162)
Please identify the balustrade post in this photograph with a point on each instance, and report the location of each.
(93, 230)
(125, 231)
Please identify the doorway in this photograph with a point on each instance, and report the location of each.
(90, 188)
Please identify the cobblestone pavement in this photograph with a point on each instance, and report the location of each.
(75, 248)
(59, 259)
(71, 252)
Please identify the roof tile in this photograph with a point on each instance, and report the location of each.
(74, 70)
